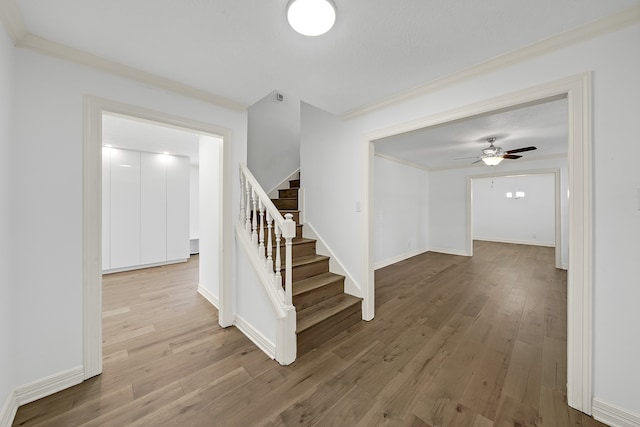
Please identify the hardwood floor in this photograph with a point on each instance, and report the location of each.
(456, 341)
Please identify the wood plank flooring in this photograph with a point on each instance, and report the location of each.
(456, 341)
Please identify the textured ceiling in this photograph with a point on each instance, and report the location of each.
(243, 50)
(544, 126)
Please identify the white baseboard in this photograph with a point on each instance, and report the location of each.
(50, 385)
(517, 242)
(143, 266)
(402, 257)
(8, 411)
(263, 343)
(449, 251)
(209, 296)
(37, 390)
(613, 415)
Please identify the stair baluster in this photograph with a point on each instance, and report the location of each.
(269, 262)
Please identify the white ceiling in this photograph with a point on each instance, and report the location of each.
(123, 132)
(544, 126)
(243, 50)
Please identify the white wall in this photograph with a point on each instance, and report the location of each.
(614, 59)
(194, 202)
(47, 180)
(530, 220)
(7, 302)
(329, 165)
(210, 232)
(273, 139)
(400, 225)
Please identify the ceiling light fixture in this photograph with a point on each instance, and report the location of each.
(492, 160)
(311, 17)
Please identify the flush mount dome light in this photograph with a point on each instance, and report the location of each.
(311, 17)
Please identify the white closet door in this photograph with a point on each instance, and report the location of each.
(177, 208)
(106, 208)
(125, 208)
(153, 208)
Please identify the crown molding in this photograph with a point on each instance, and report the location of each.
(401, 161)
(58, 50)
(585, 32)
(12, 20)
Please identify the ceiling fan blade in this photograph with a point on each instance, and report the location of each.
(520, 150)
(477, 161)
(510, 156)
(465, 158)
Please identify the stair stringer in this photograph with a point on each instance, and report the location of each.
(285, 348)
(273, 193)
(351, 287)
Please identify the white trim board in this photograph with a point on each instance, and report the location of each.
(577, 89)
(398, 258)
(208, 295)
(263, 343)
(449, 251)
(585, 32)
(517, 242)
(613, 415)
(37, 390)
(8, 411)
(94, 108)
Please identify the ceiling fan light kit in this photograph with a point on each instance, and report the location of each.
(311, 17)
(492, 160)
(492, 155)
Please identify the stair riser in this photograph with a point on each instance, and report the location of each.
(286, 204)
(308, 270)
(329, 328)
(294, 183)
(299, 250)
(289, 192)
(299, 231)
(316, 296)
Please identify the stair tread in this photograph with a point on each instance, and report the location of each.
(285, 198)
(315, 282)
(294, 241)
(308, 260)
(315, 314)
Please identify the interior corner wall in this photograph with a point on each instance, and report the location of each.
(401, 214)
(273, 139)
(7, 302)
(47, 161)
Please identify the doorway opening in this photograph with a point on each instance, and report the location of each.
(215, 230)
(577, 90)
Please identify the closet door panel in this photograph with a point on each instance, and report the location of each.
(125, 208)
(106, 208)
(177, 208)
(153, 208)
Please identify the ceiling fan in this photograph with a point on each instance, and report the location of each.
(493, 155)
